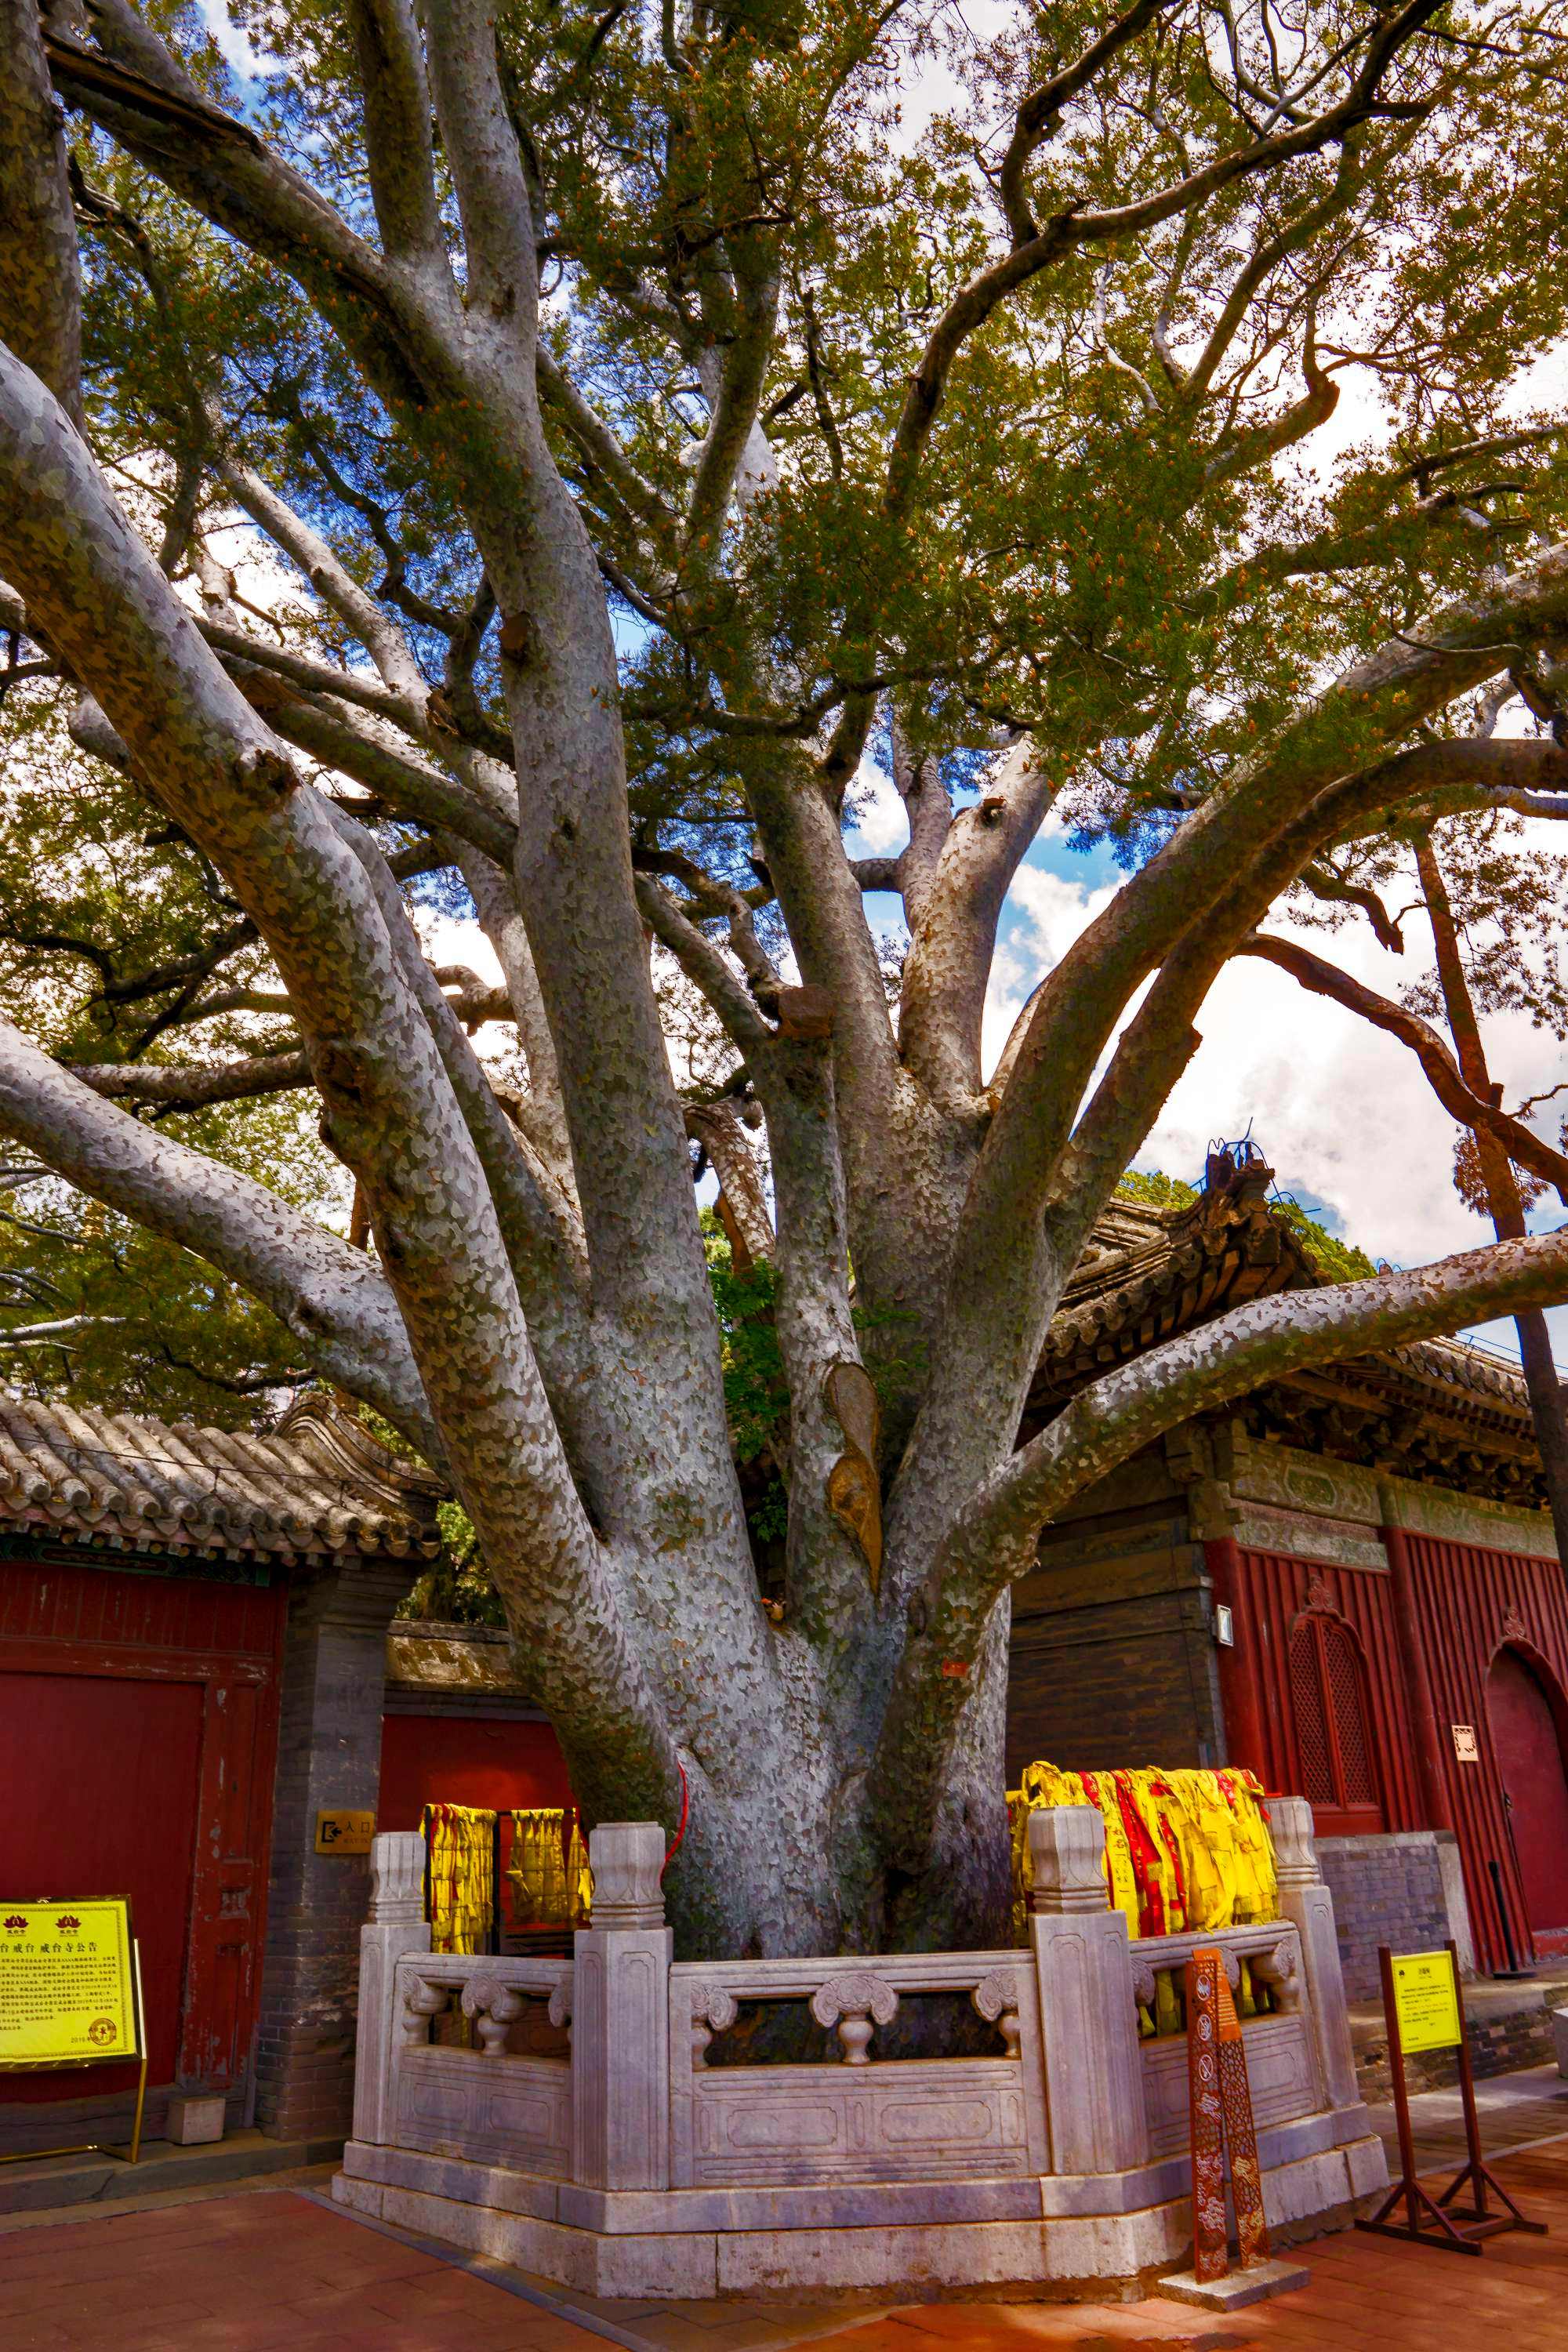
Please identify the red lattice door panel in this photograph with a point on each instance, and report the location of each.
(1336, 1771)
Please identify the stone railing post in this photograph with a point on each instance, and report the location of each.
(396, 1927)
(1089, 2018)
(620, 2015)
(1307, 1904)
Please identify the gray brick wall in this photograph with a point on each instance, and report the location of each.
(329, 1755)
(1386, 1890)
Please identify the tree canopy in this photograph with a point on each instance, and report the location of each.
(530, 462)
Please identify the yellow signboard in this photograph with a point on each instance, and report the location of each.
(66, 1983)
(1427, 2001)
(344, 1833)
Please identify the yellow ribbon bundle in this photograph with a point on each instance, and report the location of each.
(1183, 1849)
(549, 1868)
(460, 1842)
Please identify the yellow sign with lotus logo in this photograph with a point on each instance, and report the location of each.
(66, 1983)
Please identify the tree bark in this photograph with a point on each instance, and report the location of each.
(1548, 1399)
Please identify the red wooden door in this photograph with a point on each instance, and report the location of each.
(138, 1733)
(230, 1881)
(101, 1782)
(1528, 1754)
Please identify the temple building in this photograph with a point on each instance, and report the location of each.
(199, 1657)
(1346, 1581)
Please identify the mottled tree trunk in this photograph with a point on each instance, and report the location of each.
(1548, 1401)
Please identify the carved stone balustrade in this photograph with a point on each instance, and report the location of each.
(421, 2002)
(713, 2011)
(637, 2166)
(494, 2009)
(855, 2003)
(998, 1997)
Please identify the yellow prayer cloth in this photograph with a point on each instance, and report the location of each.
(1205, 1858)
(460, 1842)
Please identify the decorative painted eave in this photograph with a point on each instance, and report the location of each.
(1150, 1273)
(1438, 1406)
(319, 1487)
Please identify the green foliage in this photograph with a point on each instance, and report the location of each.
(1339, 1261)
(455, 1589)
(1156, 1189)
(149, 1326)
(755, 1399)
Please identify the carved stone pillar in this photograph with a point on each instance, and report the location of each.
(1088, 2021)
(1307, 1904)
(620, 2015)
(395, 1927)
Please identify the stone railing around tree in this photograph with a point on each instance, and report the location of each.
(616, 2121)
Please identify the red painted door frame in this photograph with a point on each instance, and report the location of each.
(226, 1926)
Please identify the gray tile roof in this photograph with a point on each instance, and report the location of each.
(318, 1486)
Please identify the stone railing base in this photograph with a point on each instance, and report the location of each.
(574, 2119)
(1095, 2235)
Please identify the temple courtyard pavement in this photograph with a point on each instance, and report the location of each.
(274, 2265)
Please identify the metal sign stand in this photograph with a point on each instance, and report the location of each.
(51, 2066)
(1437, 2221)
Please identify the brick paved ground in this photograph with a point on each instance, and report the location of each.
(273, 2268)
(1367, 2295)
(244, 2273)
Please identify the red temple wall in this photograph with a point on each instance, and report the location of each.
(1468, 1604)
(1271, 1591)
(1471, 1604)
(466, 1760)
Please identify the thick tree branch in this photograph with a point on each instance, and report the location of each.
(501, 918)
(397, 132)
(735, 399)
(1043, 109)
(182, 1086)
(335, 1300)
(303, 670)
(928, 805)
(481, 151)
(1443, 1074)
(40, 288)
(357, 743)
(720, 1128)
(953, 930)
(703, 963)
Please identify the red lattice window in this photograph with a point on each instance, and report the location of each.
(1328, 1701)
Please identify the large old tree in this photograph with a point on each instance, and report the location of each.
(649, 422)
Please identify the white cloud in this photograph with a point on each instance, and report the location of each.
(233, 42)
(881, 828)
(1342, 1112)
